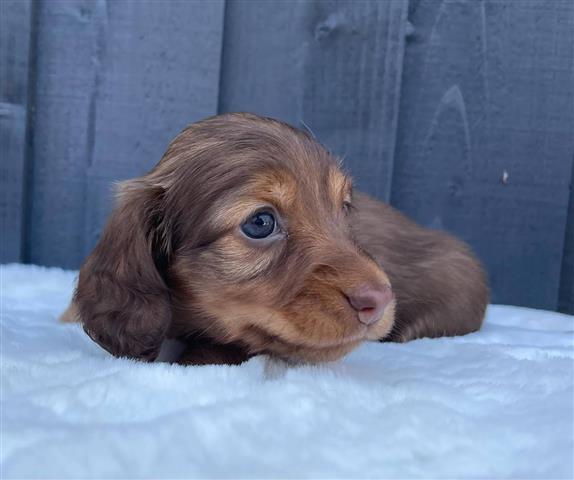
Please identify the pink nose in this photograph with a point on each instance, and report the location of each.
(369, 302)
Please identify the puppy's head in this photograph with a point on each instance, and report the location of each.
(241, 235)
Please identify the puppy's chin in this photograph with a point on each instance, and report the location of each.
(316, 351)
(301, 355)
(376, 331)
(323, 338)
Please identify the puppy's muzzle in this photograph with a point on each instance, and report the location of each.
(370, 302)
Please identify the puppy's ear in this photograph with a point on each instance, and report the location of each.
(122, 298)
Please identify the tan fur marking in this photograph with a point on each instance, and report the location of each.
(71, 314)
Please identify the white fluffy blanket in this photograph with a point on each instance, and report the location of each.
(498, 403)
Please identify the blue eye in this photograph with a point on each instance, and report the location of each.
(260, 225)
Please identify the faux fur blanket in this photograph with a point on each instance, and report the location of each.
(497, 403)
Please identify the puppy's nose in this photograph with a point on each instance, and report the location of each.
(369, 302)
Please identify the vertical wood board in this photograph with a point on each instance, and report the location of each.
(15, 33)
(352, 83)
(116, 82)
(566, 296)
(264, 46)
(486, 135)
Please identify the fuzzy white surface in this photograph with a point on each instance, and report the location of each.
(498, 403)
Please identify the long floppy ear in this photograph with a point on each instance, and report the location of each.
(122, 298)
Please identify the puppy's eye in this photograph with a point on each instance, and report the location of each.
(347, 205)
(260, 225)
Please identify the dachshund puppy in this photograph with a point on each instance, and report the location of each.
(246, 239)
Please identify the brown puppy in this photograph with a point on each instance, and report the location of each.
(246, 238)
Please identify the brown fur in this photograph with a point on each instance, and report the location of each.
(172, 262)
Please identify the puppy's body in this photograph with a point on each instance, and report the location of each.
(243, 240)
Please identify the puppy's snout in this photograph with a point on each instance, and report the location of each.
(370, 302)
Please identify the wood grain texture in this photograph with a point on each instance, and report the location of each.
(332, 66)
(117, 80)
(15, 32)
(486, 135)
(352, 85)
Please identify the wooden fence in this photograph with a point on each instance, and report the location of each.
(458, 112)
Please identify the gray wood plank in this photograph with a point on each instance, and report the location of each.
(15, 33)
(334, 66)
(263, 58)
(486, 135)
(116, 81)
(65, 75)
(352, 85)
(566, 297)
